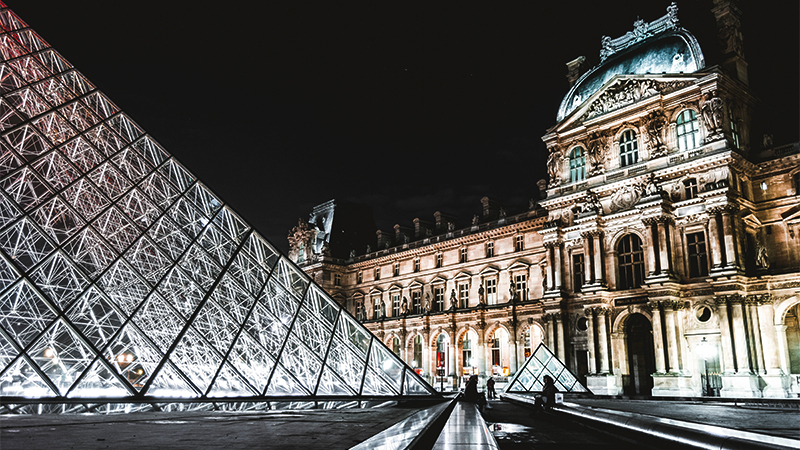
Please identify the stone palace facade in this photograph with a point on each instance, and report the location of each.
(663, 260)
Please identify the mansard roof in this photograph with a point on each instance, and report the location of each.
(657, 47)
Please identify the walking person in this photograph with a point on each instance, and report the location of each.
(490, 388)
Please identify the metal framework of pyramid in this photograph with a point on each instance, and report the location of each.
(122, 277)
(543, 362)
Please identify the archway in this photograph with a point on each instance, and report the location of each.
(792, 322)
(641, 355)
(499, 353)
(469, 353)
(442, 356)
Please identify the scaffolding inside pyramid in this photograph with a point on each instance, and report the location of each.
(543, 363)
(124, 279)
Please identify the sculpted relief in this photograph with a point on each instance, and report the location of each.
(626, 92)
(656, 123)
(596, 150)
(554, 166)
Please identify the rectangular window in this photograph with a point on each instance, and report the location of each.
(463, 295)
(377, 308)
(519, 243)
(463, 258)
(690, 188)
(396, 269)
(578, 271)
(377, 273)
(438, 299)
(359, 277)
(360, 313)
(337, 279)
(416, 265)
(416, 302)
(698, 258)
(396, 305)
(439, 260)
(491, 291)
(490, 250)
(521, 283)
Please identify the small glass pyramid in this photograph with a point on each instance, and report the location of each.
(123, 277)
(530, 378)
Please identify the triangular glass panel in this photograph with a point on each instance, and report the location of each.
(61, 355)
(120, 245)
(283, 383)
(99, 381)
(330, 384)
(530, 378)
(21, 380)
(170, 383)
(230, 384)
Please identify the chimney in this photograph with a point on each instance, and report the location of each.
(729, 26)
(402, 234)
(422, 229)
(491, 208)
(443, 222)
(384, 239)
(575, 69)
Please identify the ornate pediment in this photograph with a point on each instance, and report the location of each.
(626, 92)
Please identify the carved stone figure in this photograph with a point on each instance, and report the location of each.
(592, 202)
(656, 122)
(650, 186)
(762, 257)
(481, 300)
(639, 29)
(672, 14)
(544, 276)
(712, 111)
(475, 220)
(451, 226)
(513, 295)
(596, 153)
(502, 213)
(453, 300)
(624, 198)
(427, 302)
(606, 48)
(532, 204)
(369, 249)
(404, 306)
(767, 141)
(352, 254)
(554, 166)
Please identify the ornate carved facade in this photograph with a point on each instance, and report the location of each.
(664, 259)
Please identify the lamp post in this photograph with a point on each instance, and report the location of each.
(704, 349)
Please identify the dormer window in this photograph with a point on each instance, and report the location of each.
(628, 148)
(577, 165)
(687, 128)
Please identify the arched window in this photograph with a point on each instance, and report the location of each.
(396, 346)
(577, 164)
(687, 128)
(628, 148)
(630, 259)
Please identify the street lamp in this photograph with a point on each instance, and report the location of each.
(705, 350)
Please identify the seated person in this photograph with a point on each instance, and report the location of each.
(547, 399)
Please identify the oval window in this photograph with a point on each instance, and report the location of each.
(704, 314)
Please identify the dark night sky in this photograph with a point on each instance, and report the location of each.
(408, 107)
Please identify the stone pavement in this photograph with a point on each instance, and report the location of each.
(774, 421)
(306, 429)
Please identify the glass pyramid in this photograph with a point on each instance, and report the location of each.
(124, 277)
(543, 362)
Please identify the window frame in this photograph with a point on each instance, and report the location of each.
(697, 254)
(463, 295)
(490, 249)
(490, 285)
(438, 298)
(395, 304)
(577, 164)
(630, 262)
(682, 135)
(463, 255)
(519, 243)
(578, 271)
(628, 148)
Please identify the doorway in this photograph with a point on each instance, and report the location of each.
(641, 356)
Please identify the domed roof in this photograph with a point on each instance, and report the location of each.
(652, 48)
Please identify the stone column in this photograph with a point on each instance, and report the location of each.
(663, 247)
(658, 342)
(754, 330)
(453, 360)
(739, 337)
(549, 255)
(480, 354)
(599, 266)
(562, 351)
(731, 259)
(589, 312)
(403, 346)
(714, 244)
(783, 348)
(728, 365)
(426, 356)
(557, 266)
(512, 354)
(652, 264)
(602, 340)
(551, 331)
(769, 338)
(588, 262)
(672, 339)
